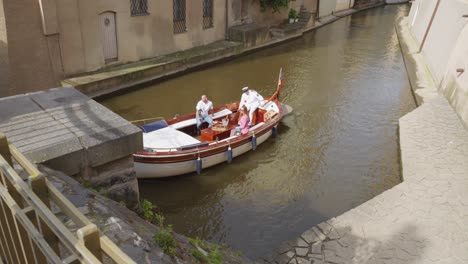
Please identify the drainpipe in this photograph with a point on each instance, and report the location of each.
(226, 35)
(318, 9)
(429, 26)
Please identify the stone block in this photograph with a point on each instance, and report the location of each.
(250, 34)
(67, 131)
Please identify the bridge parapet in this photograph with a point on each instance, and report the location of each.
(30, 231)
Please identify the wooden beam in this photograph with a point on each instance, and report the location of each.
(89, 236)
(5, 148)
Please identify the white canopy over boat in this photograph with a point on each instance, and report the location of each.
(167, 138)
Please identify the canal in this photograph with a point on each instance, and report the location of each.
(348, 86)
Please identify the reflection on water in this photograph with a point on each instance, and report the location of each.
(348, 87)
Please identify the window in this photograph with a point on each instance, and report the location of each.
(179, 16)
(207, 13)
(139, 7)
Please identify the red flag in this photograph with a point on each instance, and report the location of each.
(280, 79)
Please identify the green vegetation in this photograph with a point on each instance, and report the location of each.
(273, 4)
(166, 241)
(148, 210)
(293, 13)
(198, 255)
(159, 218)
(214, 256)
(164, 237)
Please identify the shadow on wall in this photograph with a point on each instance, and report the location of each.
(5, 88)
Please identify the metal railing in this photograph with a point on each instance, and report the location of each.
(31, 233)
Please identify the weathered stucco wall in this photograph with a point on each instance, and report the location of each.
(446, 28)
(138, 37)
(4, 61)
(30, 65)
(327, 7)
(344, 4)
(445, 48)
(455, 84)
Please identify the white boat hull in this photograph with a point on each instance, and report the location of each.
(159, 170)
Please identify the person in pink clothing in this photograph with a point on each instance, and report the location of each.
(243, 125)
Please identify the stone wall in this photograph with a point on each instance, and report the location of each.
(68, 131)
(445, 47)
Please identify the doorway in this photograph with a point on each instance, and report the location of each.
(109, 36)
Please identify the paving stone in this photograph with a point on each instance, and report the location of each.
(330, 256)
(325, 228)
(315, 256)
(319, 233)
(302, 252)
(301, 243)
(303, 261)
(317, 248)
(310, 236)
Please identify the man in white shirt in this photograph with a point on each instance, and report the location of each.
(204, 112)
(252, 100)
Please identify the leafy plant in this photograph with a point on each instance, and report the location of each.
(159, 218)
(274, 4)
(198, 255)
(166, 241)
(148, 210)
(293, 13)
(215, 257)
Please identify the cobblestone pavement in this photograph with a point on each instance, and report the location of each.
(422, 220)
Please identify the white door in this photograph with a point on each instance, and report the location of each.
(109, 36)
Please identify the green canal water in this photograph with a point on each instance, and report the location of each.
(348, 87)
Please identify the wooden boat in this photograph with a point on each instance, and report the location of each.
(171, 147)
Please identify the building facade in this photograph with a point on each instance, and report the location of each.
(45, 41)
(441, 30)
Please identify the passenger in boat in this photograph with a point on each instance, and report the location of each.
(204, 112)
(252, 100)
(243, 124)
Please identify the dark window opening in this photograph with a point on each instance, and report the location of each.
(139, 7)
(179, 16)
(207, 13)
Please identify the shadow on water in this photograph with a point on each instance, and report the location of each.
(348, 87)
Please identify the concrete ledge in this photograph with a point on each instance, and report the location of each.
(250, 34)
(128, 75)
(69, 132)
(422, 83)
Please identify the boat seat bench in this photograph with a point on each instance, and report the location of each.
(193, 121)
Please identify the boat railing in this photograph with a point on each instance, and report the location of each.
(31, 233)
(145, 121)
